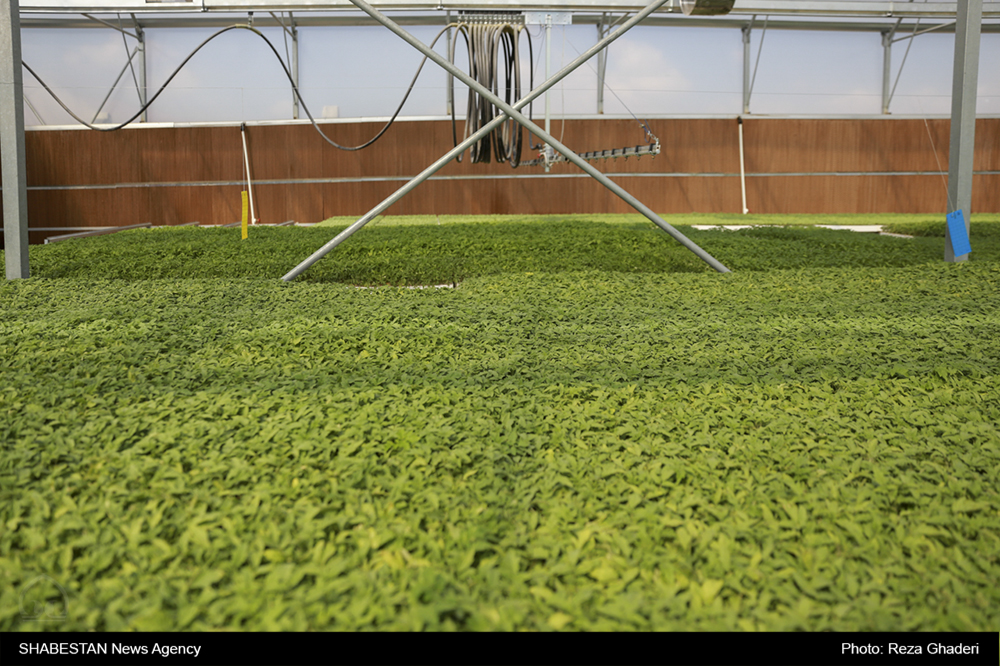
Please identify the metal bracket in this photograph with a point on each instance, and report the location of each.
(541, 18)
(475, 17)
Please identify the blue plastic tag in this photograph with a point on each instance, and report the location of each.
(959, 236)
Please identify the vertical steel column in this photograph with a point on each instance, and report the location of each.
(548, 65)
(746, 66)
(12, 162)
(963, 115)
(141, 63)
(602, 64)
(449, 100)
(295, 64)
(886, 68)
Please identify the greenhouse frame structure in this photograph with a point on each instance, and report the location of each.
(965, 18)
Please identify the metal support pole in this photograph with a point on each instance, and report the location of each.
(886, 69)
(548, 64)
(602, 64)
(510, 112)
(292, 55)
(12, 163)
(916, 32)
(141, 66)
(746, 66)
(41, 121)
(748, 90)
(111, 25)
(295, 64)
(114, 85)
(963, 115)
(449, 100)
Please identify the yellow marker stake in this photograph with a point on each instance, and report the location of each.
(246, 212)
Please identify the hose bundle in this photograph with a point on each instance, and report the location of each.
(493, 43)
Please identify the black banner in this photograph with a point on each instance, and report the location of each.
(557, 649)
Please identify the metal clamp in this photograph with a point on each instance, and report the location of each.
(474, 17)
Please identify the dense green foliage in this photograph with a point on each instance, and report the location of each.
(400, 254)
(632, 443)
(982, 228)
(725, 219)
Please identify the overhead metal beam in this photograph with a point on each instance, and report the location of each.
(12, 156)
(845, 8)
(939, 26)
(963, 117)
(190, 20)
(108, 24)
(821, 24)
(859, 8)
(663, 20)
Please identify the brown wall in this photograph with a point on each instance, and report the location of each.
(166, 175)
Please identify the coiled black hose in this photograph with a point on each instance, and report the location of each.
(494, 55)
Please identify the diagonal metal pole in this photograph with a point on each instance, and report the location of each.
(465, 145)
(510, 112)
(488, 95)
(115, 84)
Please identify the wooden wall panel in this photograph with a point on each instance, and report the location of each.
(172, 155)
(82, 157)
(87, 208)
(180, 205)
(208, 162)
(864, 194)
(800, 145)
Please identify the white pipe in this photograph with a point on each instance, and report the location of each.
(743, 173)
(246, 163)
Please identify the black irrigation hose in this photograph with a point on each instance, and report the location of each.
(485, 42)
(283, 67)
